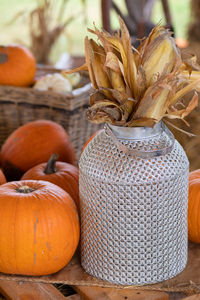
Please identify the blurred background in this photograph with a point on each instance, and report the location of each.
(54, 30)
(65, 22)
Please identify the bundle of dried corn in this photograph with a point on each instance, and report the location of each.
(138, 87)
(46, 22)
(44, 30)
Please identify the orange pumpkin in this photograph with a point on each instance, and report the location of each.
(17, 66)
(92, 136)
(39, 228)
(194, 210)
(194, 174)
(60, 173)
(2, 177)
(32, 144)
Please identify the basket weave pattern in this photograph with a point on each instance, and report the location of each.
(19, 106)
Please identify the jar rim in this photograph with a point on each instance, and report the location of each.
(135, 133)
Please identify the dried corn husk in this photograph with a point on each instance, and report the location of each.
(138, 87)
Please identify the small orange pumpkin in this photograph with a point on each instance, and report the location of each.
(90, 138)
(39, 228)
(32, 144)
(2, 177)
(194, 210)
(60, 173)
(17, 66)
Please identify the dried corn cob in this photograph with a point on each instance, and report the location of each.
(138, 87)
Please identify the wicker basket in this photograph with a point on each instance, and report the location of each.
(22, 105)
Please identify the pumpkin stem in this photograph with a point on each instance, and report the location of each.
(3, 58)
(51, 164)
(25, 189)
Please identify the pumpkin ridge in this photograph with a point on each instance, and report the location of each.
(3, 58)
(72, 171)
(14, 233)
(197, 219)
(74, 177)
(36, 141)
(193, 203)
(35, 229)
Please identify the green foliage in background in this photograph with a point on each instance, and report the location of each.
(72, 41)
(181, 15)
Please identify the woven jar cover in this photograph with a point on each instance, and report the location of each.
(134, 209)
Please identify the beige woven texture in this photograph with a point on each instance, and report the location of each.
(19, 106)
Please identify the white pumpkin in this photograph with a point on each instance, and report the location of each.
(53, 82)
(73, 78)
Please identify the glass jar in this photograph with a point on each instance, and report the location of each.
(133, 198)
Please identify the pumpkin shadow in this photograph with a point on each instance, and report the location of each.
(11, 171)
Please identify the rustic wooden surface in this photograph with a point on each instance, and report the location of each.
(74, 297)
(28, 291)
(176, 296)
(98, 293)
(38, 291)
(13, 290)
(194, 297)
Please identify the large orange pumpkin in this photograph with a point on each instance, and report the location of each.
(32, 144)
(194, 210)
(2, 177)
(39, 228)
(60, 173)
(17, 66)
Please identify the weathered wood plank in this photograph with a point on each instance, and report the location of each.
(74, 297)
(193, 297)
(14, 290)
(99, 293)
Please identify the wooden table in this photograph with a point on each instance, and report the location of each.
(42, 291)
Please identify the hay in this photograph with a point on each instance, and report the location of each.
(46, 22)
